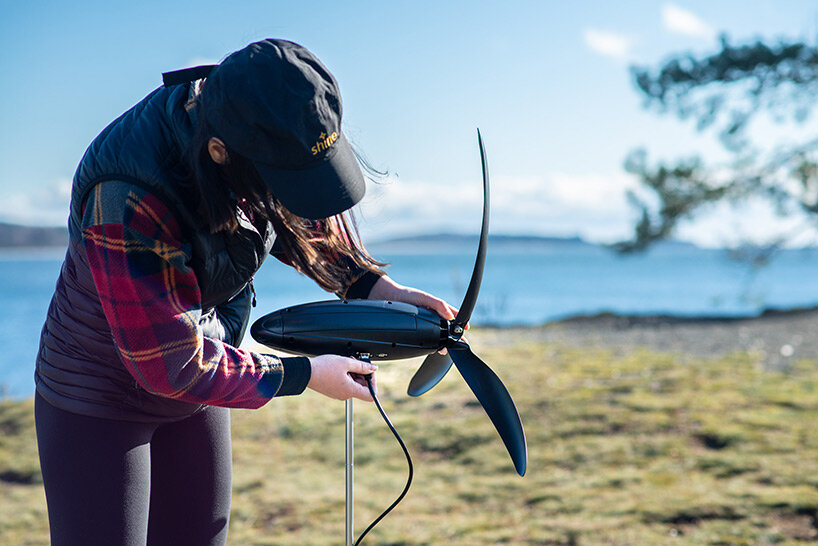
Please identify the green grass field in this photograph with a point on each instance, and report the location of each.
(640, 448)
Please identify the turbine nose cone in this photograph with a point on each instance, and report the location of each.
(268, 330)
(273, 326)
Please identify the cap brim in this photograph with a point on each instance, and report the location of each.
(329, 188)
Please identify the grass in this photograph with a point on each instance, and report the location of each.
(640, 448)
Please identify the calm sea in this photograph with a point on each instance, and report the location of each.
(521, 285)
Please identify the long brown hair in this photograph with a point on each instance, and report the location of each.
(328, 250)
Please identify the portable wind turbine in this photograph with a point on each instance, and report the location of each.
(386, 330)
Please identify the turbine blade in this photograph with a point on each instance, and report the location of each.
(497, 402)
(466, 308)
(433, 369)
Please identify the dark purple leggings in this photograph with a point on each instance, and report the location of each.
(117, 482)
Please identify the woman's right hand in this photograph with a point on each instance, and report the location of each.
(340, 378)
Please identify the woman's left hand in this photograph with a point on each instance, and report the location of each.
(387, 289)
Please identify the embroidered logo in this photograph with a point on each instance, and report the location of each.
(324, 142)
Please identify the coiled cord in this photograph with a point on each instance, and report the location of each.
(405, 452)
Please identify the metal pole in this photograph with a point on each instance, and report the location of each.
(349, 468)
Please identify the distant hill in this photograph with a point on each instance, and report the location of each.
(446, 242)
(439, 242)
(12, 235)
(449, 238)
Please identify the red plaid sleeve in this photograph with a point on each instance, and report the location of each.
(152, 302)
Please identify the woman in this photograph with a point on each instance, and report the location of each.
(174, 207)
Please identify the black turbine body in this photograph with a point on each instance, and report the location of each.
(386, 330)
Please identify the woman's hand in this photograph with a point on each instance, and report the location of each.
(340, 377)
(387, 289)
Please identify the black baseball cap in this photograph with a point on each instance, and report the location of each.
(276, 104)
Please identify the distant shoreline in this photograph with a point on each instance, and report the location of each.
(19, 236)
(776, 337)
(32, 252)
(624, 320)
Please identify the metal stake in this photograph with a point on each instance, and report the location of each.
(349, 468)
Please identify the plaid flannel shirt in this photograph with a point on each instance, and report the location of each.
(152, 302)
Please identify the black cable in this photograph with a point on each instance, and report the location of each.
(405, 452)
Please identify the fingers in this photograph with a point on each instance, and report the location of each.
(358, 369)
(360, 389)
(437, 305)
(440, 307)
(446, 311)
(340, 377)
(386, 288)
(361, 367)
(356, 386)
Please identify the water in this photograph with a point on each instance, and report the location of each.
(521, 285)
(27, 280)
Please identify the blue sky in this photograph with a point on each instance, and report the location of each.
(547, 83)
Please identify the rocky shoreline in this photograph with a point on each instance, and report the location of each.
(777, 338)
